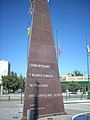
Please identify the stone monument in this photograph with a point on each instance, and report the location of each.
(43, 96)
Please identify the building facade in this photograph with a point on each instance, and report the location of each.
(4, 70)
(80, 80)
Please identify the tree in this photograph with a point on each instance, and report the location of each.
(73, 86)
(76, 73)
(21, 82)
(13, 82)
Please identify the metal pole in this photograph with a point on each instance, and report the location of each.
(21, 96)
(27, 48)
(87, 68)
(88, 71)
(57, 51)
(58, 54)
(57, 45)
(88, 76)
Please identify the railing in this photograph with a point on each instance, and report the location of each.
(74, 96)
(12, 97)
(66, 97)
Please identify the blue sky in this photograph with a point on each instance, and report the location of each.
(71, 18)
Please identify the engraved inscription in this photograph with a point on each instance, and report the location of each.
(40, 85)
(41, 75)
(39, 66)
(45, 95)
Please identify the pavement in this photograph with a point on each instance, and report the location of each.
(12, 110)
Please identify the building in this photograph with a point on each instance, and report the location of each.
(4, 70)
(81, 80)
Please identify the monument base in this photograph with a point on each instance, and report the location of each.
(45, 117)
(24, 118)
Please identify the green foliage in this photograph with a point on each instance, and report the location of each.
(21, 82)
(13, 82)
(64, 87)
(77, 73)
(73, 86)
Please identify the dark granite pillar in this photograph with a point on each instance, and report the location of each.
(43, 89)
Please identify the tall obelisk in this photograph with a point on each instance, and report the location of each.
(43, 96)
